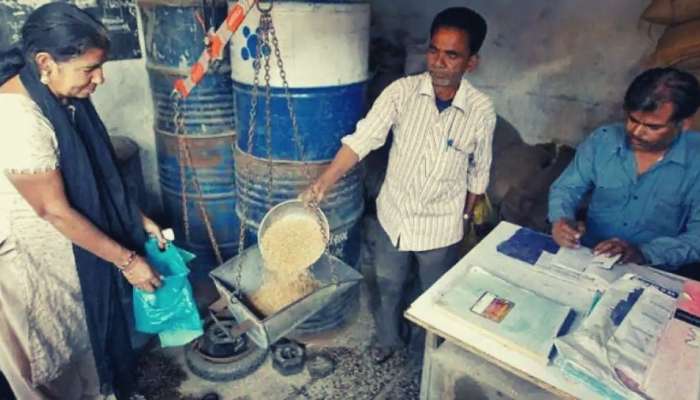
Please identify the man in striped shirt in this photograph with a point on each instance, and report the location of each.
(438, 164)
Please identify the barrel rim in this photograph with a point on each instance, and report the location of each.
(179, 3)
(324, 1)
(237, 84)
(278, 162)
(198, 136)
(223, 69)
(366, 3)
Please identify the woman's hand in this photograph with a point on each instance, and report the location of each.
(154, 230)
(141, 275)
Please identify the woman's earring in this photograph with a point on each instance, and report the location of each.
(44, 77)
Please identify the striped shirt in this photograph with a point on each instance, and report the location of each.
(435, 158)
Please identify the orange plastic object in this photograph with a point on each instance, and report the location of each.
(197, 73)
(181, 87)
(235, 17)
(216, 46)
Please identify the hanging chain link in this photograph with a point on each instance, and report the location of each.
(178, 123)
(266, 21)
(185, 154)
(243, 190)
(265, 39)
(185, 161)
(296, 138)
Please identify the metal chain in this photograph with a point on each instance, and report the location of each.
(239, 203)
(258, 5)
(296, 138)
(266, 23)
(178, 121)
(185, 155)
(242, 190)
(265, 37)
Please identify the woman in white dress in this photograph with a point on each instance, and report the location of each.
(68, 229)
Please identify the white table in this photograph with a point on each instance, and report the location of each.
(439, 324)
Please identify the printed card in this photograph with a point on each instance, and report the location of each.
(492, 307)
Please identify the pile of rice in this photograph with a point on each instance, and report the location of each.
(278, 291)
(291, 246)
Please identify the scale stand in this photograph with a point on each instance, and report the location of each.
(334, 277)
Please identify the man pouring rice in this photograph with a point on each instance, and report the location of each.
(438, 164)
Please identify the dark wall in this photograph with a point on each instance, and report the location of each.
(119, 16)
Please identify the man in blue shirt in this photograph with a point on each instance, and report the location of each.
(643, 177)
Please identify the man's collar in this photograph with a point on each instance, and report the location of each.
(426, 85)
(677, 150)
(460, 99)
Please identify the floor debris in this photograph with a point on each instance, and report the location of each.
(159, 376)
(355, 375)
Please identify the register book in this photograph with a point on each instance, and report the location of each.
(517, 317)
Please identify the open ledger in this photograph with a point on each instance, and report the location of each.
(517, 317)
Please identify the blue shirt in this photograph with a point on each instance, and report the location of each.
(658, 211)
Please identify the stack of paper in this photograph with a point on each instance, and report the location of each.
(616, 343)
(582, 259)
(576, 260)
(674, 372)
(518, 318)
(585, 274)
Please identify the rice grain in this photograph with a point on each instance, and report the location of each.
(291, 245)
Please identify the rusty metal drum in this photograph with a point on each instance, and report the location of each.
(174, 33)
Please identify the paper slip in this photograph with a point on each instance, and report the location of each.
(574, 259)
(582, 258)
(591, 279)
(604, 261)
(545, 264)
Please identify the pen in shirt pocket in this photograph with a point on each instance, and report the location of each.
(451, 144)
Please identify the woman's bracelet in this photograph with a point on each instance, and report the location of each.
(129, 261)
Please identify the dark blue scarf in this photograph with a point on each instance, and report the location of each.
(95, 188)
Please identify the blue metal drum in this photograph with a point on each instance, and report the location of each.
(174, 37)
(213, 163)
(324, 115)
(324, 47)
(174, 32)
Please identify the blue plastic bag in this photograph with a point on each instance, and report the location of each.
(170, 311)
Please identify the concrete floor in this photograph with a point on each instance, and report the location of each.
(355, 376)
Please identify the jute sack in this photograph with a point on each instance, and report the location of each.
(671, 12)
(677, 44)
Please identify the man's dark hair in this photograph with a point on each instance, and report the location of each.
(466, 19)
(657, 86)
